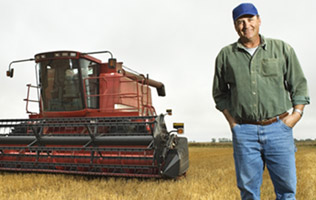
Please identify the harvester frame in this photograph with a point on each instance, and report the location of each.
(111, 129)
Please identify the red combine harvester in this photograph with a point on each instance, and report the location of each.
(94, 118)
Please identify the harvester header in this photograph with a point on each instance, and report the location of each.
(94, 118)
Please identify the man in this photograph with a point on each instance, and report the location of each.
(257, 80)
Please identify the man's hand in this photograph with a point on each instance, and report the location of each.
(293, 118)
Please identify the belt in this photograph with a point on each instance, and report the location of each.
(265, 121)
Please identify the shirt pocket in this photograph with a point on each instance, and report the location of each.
(270, 67)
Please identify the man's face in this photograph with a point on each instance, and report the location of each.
(247, 27)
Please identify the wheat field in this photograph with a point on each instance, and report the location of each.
(211, 176)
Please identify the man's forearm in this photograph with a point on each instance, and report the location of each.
(300, 107)
(229, 118)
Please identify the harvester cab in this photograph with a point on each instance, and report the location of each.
(94, 118)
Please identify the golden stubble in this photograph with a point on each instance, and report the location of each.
(211, 176)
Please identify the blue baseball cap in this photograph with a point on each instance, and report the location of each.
(244, 9)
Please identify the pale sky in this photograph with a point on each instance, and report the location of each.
(175, 42)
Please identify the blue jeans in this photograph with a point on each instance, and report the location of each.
(257, 146)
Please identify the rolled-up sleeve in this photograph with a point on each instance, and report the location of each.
(297, 83)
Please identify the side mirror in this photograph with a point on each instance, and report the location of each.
(10, 73)
(11, 70)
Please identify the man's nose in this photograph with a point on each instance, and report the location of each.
(246, 24)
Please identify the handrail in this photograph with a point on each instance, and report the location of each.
(29, 100)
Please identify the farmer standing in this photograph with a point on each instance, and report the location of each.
(257, 80)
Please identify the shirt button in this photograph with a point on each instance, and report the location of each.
(253, 93)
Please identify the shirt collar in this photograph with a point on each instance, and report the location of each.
(262, 44)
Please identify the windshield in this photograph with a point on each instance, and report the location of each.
(61, 83)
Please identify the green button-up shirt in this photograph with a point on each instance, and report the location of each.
(260, 86)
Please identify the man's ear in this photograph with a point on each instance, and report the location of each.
(235, 26)
(259, 20)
